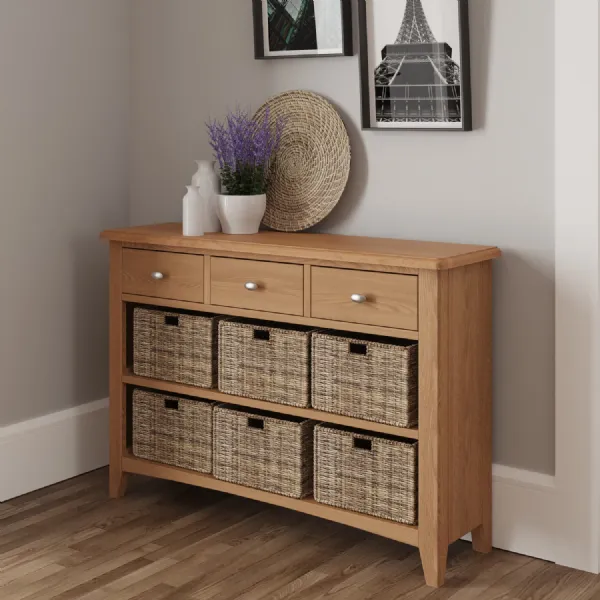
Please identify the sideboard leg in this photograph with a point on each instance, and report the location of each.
(482, 538)
(117, 483)
(434, 425)
(434, 565)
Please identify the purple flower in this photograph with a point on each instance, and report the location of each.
(244, 148)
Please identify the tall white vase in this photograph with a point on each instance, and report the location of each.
(207, 182)
(194, 212)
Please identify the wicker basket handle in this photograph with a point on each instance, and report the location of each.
(262, 334)
(254, 423)
(172, 320)
(171, 404)
(362, 444)
(360, 349)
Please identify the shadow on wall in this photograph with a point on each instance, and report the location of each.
(480, 20)
(359, 174)
(89, 430)
(521, 396)
(90, 302)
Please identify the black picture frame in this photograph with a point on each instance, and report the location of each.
(259, 35)
(368, 96)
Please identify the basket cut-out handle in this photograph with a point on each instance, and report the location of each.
(261, 334)
(362, 444)
(171, 404)
(360, 349)
(172, 320)
(256, 423)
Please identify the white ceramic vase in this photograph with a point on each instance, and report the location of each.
(241, 214)
(194, 212)
(208, 184)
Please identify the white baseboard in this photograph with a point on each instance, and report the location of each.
(43, 451)
(524, 512)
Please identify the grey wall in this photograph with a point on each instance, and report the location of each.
(193, 59)
(190, 59)
(64, 118)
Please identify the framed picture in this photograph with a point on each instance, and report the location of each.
(415, 64)
(302, 28)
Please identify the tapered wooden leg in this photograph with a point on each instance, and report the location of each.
(117, 482)
(434, 565)
(482, 538)
(433, 425)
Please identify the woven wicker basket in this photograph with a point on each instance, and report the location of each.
(257, 450)
(175, 346)
(366, 474)
(257, 360)
(365, 377)
(173, 430)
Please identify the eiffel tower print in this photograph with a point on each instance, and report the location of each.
(417, 81)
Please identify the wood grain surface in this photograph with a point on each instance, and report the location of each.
(470, 404)
(280, 286)
(391, 300)
(183, 275)
(270, 316)
(167, 540)
(313, 246)
(433, 425)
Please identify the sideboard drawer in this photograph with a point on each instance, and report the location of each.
(257, 285)
(383, 299)
(164, 275)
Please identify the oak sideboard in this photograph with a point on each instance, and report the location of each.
(437, 294)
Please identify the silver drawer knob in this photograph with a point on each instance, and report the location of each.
(157, 275)
(251, 286)
(358, 298)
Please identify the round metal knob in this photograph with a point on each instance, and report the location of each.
(251, 286)
(157, 275)
(358, 298)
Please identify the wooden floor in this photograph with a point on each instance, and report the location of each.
(166, 540)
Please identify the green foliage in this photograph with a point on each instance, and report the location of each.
(247, 180)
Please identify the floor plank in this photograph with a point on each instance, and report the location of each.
(167, 541)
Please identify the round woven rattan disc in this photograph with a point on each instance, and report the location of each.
(311, 167)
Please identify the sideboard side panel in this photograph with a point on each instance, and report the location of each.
(470, 402)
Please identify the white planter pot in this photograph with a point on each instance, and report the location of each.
(208, 184)
(241, 214)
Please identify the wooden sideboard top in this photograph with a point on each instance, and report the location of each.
(312, 246)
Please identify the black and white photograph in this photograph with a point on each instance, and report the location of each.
(302, 28)
(415, 64)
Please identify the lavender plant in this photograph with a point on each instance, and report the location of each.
(244, 148)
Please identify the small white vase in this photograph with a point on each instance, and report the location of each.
(208, 184)
(194, 212)
(241, 214)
